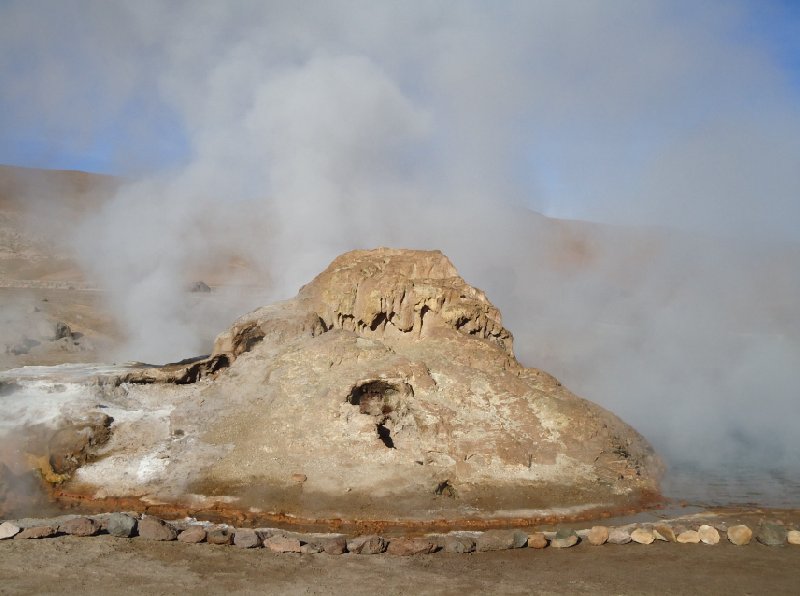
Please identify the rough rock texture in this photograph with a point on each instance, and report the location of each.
(80, 526)
(793, 537)
(152, 528)
(37, 532)
(771, 534)
(8, 530)
(392, 384)
(193, 535)
(458, 544)
(501, 540)
(619, 536)
(598, 535)
(245, 538)
(411, 546)
(121, 525)
(366, 545)
(664, 532)
(565, 538)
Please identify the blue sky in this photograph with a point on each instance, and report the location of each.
(625, 110)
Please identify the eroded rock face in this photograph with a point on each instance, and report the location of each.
(390, 385)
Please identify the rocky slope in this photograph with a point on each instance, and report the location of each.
(386, 390)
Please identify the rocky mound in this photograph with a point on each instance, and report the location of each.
(386, 390)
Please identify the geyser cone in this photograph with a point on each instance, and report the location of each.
(386, 390)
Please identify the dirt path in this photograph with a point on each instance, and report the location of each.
(106, 565)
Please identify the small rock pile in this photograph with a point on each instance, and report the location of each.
(130, 525)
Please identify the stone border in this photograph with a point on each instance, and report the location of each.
(145, 527)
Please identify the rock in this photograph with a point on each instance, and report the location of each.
(492, 540)
(664, 532)
(121, 525)
(37, 532)
(80, 526)
(200, 286)
(193, 535)
(793, 537)
(152, 528)
(564, 538)
(411, 546)
(246, 538)
(708, 534)
(740, 535)
(458, 544)
(367, 545)
(597, 535)
(643, 536)
(771, 534)
(619, 536)
(332, 545)
(310, 548)
(219, 536)
(537, 540)
(8, 530)
(688, 537)
(299, 478)
(282, 544)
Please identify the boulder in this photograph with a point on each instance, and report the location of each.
(246, 538)
(411, 546)
(8, 530)
(152, 528)
(708, 534)
(740, 535)
(332, 545)
(121, 525)
(537, 540)
(793, 537)
(193, 535)
(36, 532)
(619, 536)
(564, 538)
(688, 537)
(771, 534)
(219, 536)
(643, 536)
(375, 363)
(282, 544)
(597, 535)
(80, 526)
(492, 540)
(458, 544)
(366, 545)
(664, 532)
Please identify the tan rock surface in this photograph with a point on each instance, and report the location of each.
(392, 384)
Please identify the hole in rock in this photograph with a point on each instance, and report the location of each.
(379, 320)
(368, 394)
(385, 435)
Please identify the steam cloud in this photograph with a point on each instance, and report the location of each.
(306, 129)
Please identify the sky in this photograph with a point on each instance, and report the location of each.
(610, 111)
(290, 132)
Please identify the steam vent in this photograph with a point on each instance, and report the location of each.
(385, 391)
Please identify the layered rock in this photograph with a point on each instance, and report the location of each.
(389, 385)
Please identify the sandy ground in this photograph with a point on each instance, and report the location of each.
(106, 565)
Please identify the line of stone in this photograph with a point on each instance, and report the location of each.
(125, 525)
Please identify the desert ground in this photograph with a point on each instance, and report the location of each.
(45, 283)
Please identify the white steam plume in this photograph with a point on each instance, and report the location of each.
(313, 128)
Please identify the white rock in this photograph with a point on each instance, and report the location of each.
(793, 537)
(8, 530)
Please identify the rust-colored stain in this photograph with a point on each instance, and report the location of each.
(221, 513)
